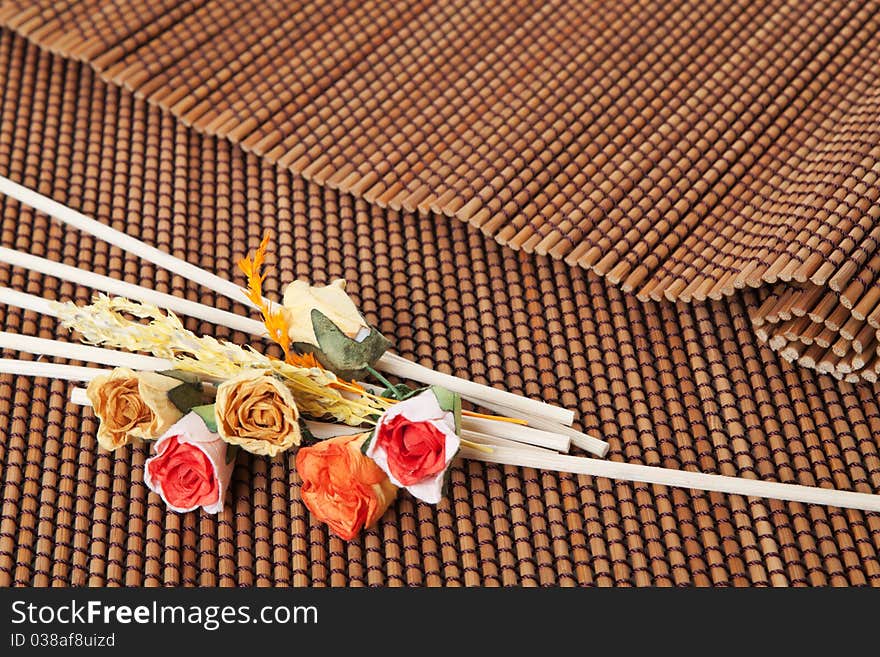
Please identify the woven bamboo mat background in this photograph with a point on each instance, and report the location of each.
(682, 386)
(681, 149)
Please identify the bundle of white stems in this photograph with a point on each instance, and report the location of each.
(543, 443)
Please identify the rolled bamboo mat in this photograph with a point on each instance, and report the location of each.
(683, 150)
(673, 385)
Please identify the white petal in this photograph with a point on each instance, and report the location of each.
(429, 490)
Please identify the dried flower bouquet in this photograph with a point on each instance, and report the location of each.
(359, 437)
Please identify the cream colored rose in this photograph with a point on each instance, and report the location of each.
(257, 412)
(300, 299)
(132, 405)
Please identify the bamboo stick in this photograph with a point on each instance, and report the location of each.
(27, 301)
(78, 396)
(842, 347)
(518, 433)
(837, 318)
(759, 316)
(125, 242)
(391, 363)
(851, 329)
(679, 478)
(585, 441)
(803, 300)
(865, 337)
(131, 291)
(49, 370)
(497, 441)
(484, 395)
(81, 352)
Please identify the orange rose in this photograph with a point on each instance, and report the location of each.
(132, 405)
(341, 486)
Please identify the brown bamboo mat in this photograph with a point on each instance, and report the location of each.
(682, 386)
(681, 149)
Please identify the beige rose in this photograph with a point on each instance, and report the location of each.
(300, 299)
(257, 411)
(132, 405)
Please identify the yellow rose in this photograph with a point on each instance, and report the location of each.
(132, 405)
(341, 486)
(300, 299)
(257, 412)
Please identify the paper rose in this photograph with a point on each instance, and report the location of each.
(341, 486)
(300, 299)
(413, 443)
(323, 321)
(189, 468)
(132, 405)
(257, 411)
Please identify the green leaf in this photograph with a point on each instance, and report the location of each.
(341, 354)
(401, 392)
(209, 417)
(185, 377)
(186, 395)
(446, 398)
(366, 444)
(447, 483)
(447, 477)
(451, 402)
(231, 453)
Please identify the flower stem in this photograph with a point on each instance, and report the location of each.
(385, 382)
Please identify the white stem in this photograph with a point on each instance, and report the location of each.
(125, 242)
(27, 301)
(517, 433)
(78, 396)
(495, 441)
(85, 353)
(679, 478)
(131, 291)
(482, 394)
(48, 370)
(390, 363)
(585, 441)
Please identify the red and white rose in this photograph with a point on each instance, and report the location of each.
(189, 468)
(413, 443)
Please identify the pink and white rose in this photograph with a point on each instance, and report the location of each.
(189, 468)
(413, 443)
